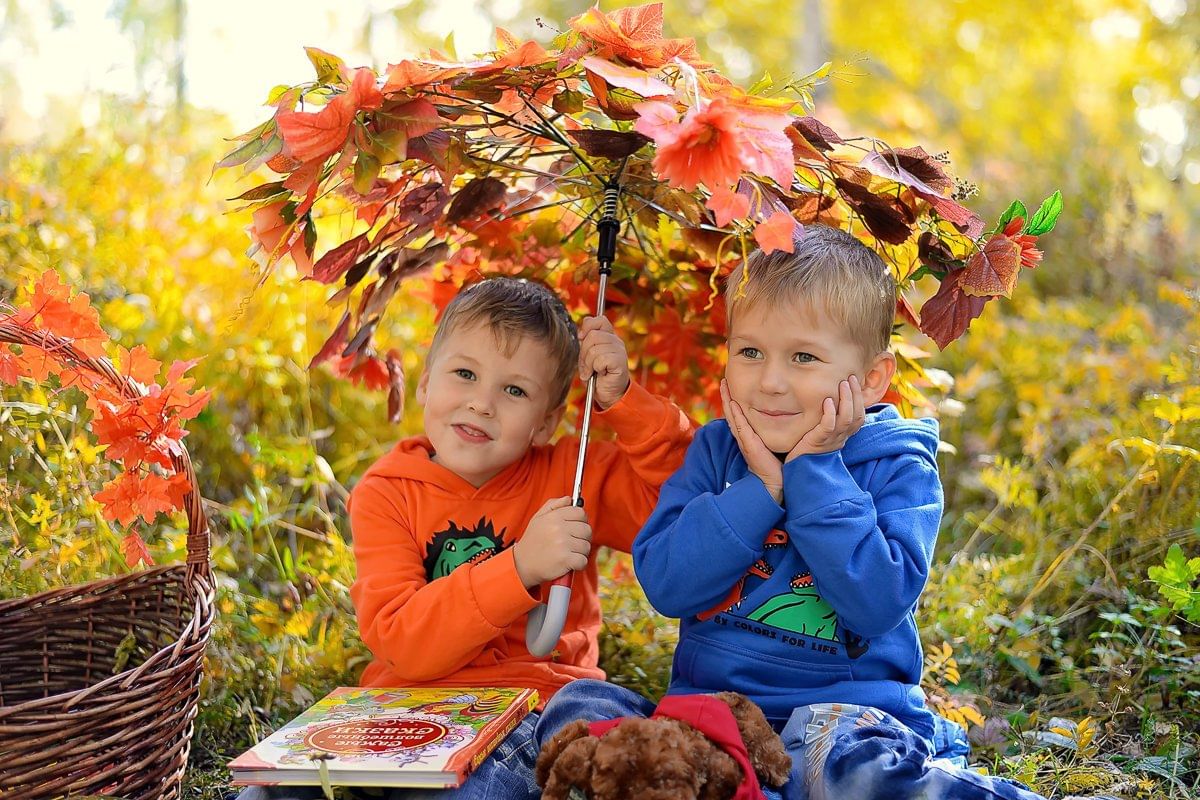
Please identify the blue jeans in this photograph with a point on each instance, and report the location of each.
(844, 750)
(507, 774)
(838, 750)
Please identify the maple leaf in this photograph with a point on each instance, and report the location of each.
(267, 230)
(334, 343)
(993, 269)
(71, 317)
(766, 148)
(133, 495)
(138, 365)
(634, 34)
(409, 73)
(671, 342)
(367, 371)
(947, 314)
(10, 367)
(778, 232)
(135, 551)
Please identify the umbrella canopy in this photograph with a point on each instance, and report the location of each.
(499, 164)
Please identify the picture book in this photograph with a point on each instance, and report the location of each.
(429, 737)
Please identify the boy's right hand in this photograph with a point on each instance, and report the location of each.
(761, 461)
(557, 541)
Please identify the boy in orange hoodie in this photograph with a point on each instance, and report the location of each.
(456, 531)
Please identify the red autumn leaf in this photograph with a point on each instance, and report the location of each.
(992, 270)
(10, 368)
(778, 232)
(334, 343)
(135, 551)
(906, 312)
(727, 205)
(309, 136)
(369, 371)
(408, 73)
(967, 221)
(947, 314)
(334, 264)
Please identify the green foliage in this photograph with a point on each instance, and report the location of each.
(1177, 581)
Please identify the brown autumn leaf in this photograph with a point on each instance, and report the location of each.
(479, 196)
(911, 166)
(947, 314)
(993, 270)
(887, 218)
(609, 144)
(817, 133)
(395, 370)
(933, 252)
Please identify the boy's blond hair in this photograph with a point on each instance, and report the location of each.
(512, 308)
(832, 267)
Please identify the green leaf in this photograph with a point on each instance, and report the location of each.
(328, 66)
(1017, 209)
(243, 154)
(262, 192)
(1043, 221)
(366, 169)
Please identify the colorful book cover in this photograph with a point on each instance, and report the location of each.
(387, 737)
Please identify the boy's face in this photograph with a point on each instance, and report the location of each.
(785, 359)
(484, 408)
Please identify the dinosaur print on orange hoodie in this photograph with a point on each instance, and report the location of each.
(438, 598)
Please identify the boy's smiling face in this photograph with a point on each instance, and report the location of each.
(785, 359)
(485, 404)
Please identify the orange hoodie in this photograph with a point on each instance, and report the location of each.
(438, 598)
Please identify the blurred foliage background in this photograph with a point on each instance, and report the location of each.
(1063, 620)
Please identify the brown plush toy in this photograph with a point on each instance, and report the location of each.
(660, 758)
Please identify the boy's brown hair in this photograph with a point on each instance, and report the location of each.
(512, 308)
(829, 266)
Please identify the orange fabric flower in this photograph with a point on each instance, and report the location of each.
(704, 147)
(1030, 255)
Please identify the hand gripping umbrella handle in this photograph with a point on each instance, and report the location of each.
(546, 619)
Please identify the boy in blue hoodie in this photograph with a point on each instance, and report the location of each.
(794, 542)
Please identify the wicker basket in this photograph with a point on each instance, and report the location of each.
(68, 724)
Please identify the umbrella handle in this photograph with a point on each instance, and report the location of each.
(546, 619)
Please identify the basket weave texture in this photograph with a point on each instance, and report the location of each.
(68, 724)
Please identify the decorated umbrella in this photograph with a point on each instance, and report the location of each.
(507, 162)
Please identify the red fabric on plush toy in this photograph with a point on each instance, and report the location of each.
(712, 717)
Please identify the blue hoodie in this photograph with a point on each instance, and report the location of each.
(823, 587)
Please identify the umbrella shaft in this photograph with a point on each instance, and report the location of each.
(585, 428)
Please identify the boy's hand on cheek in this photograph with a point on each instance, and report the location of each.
(839, 421)
(557, 541)
(601, 351)
(761, 461)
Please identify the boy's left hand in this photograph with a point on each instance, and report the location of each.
(840, 419)
(601, 351)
